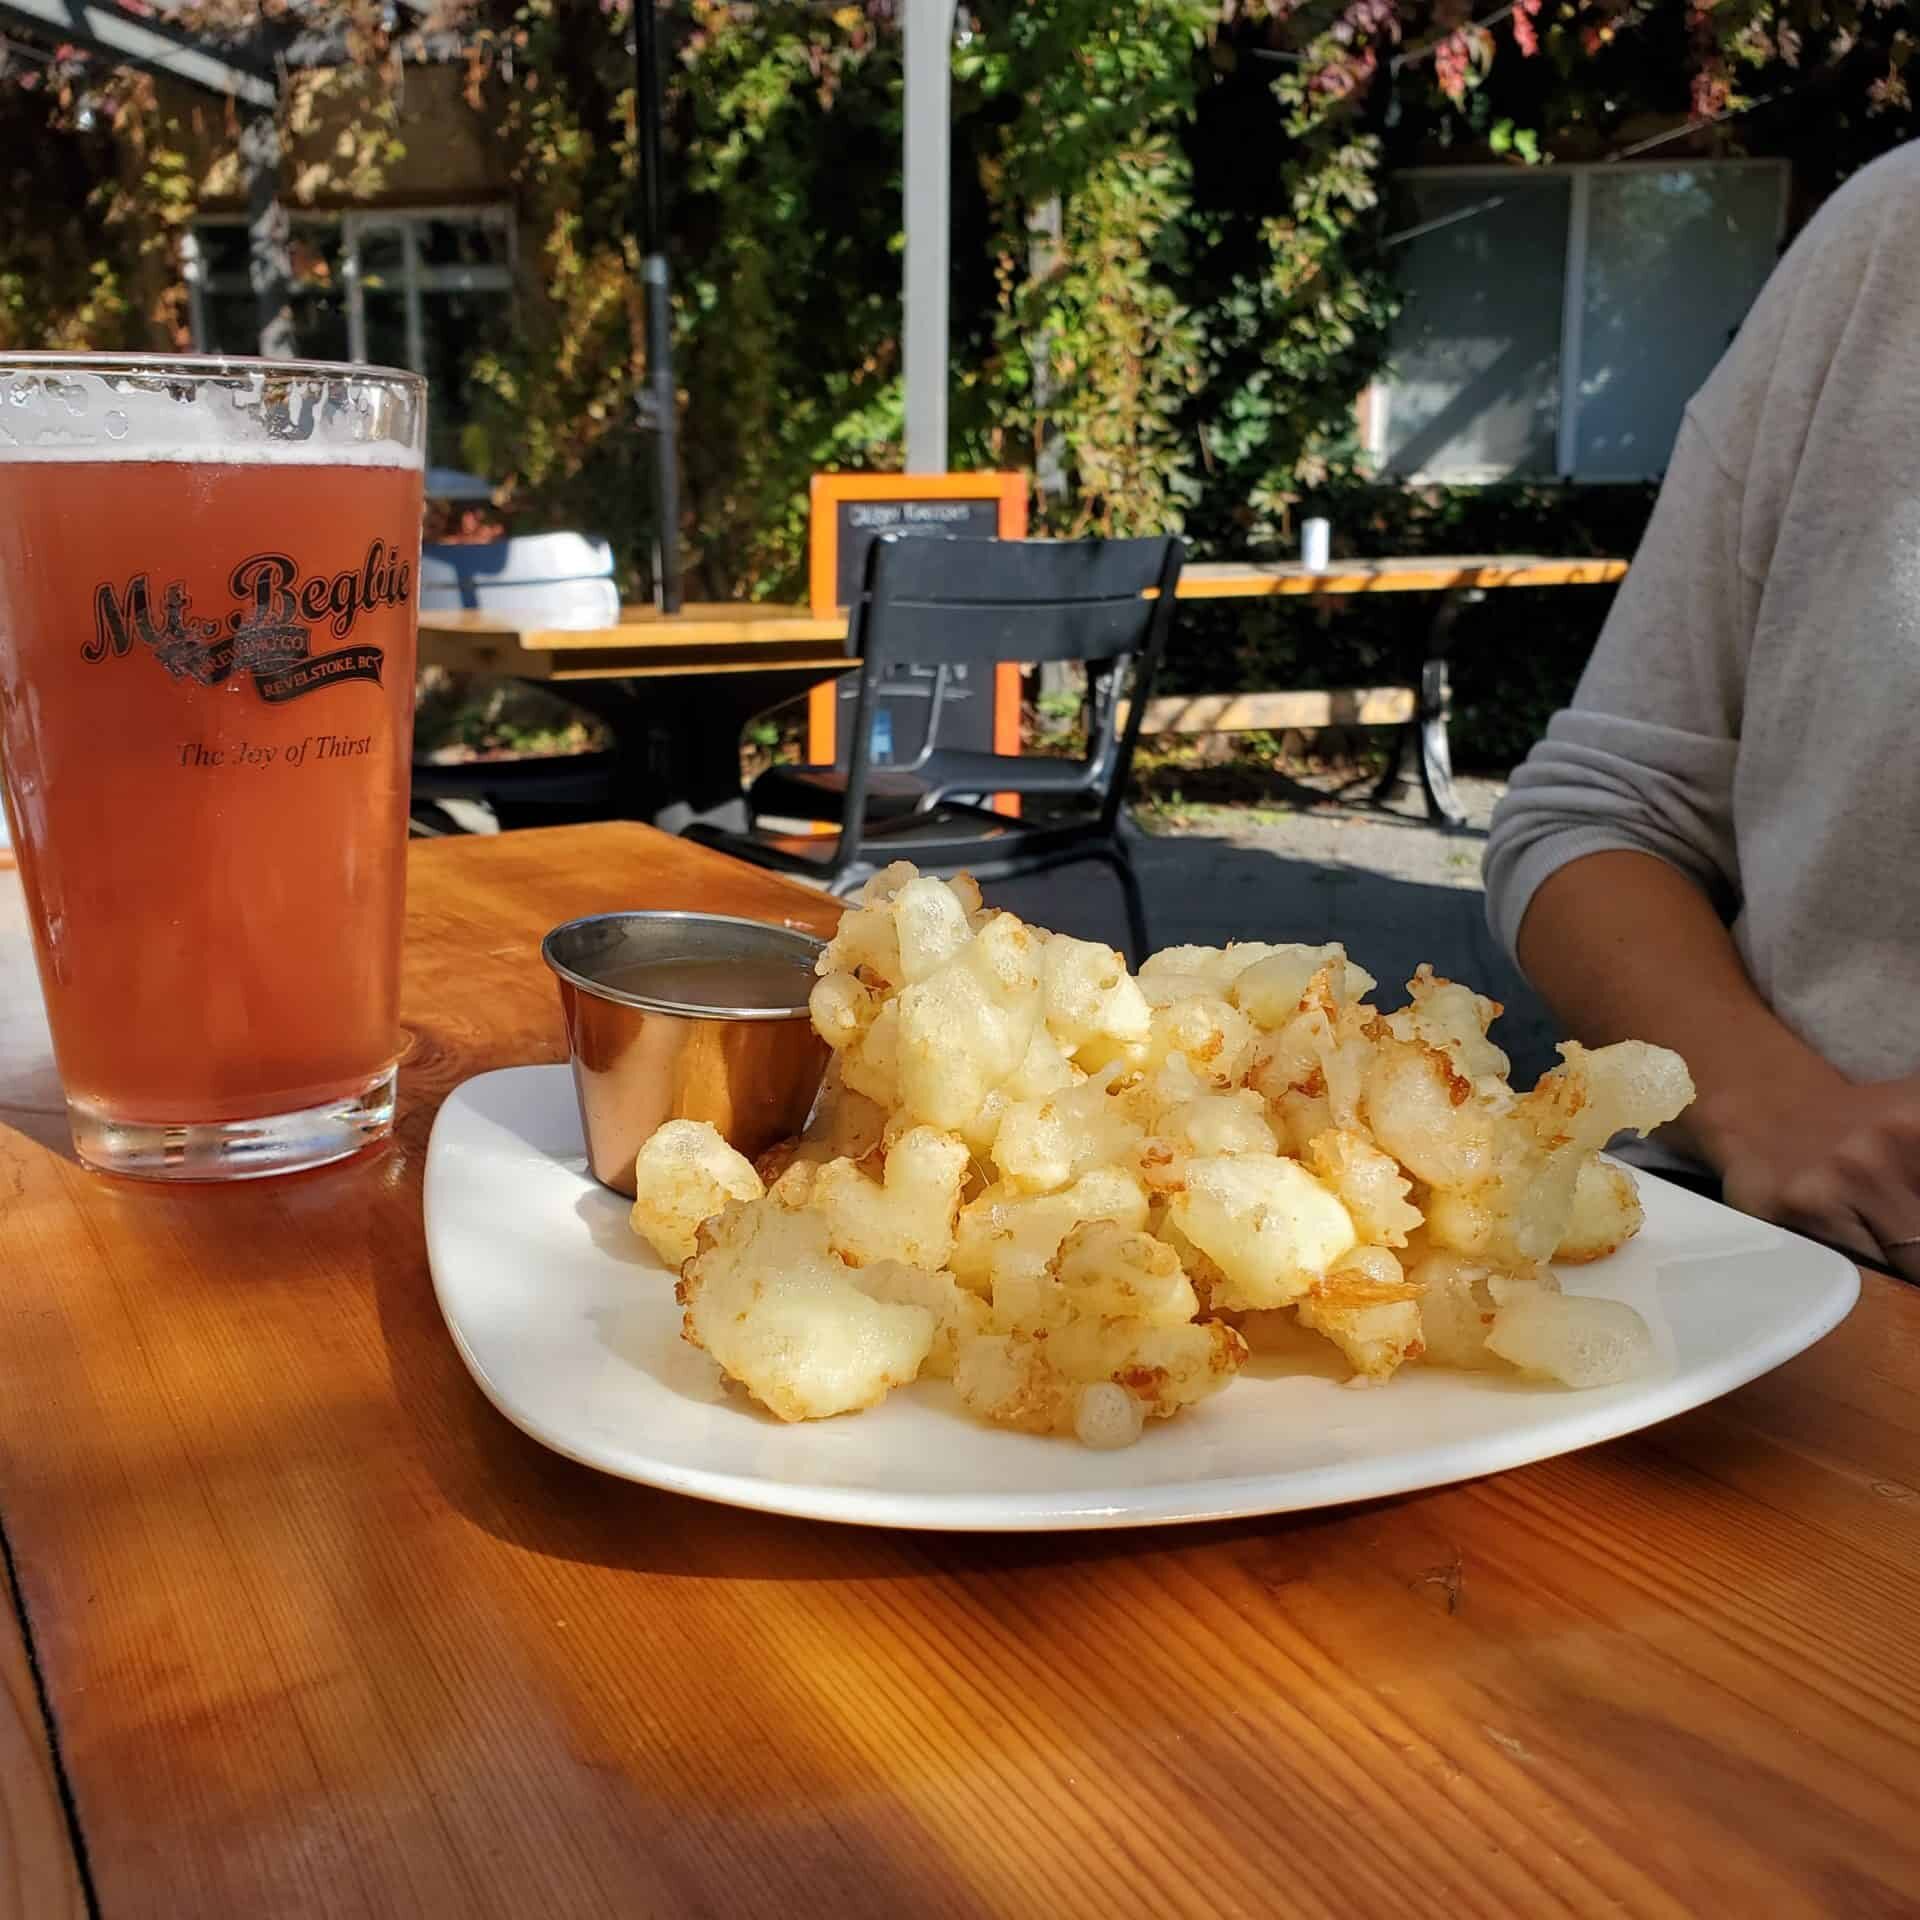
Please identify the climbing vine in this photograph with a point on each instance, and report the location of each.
(1172, 269)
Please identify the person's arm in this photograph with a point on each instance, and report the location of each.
(1615, 865)
(1622, 945)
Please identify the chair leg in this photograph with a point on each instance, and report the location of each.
(429, 820)
(1389, 782)
(1119, 857)
(1423, 739)
(1434, 758)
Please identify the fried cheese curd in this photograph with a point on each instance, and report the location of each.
(1083, 1196)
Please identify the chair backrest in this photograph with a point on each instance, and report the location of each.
(947, 602)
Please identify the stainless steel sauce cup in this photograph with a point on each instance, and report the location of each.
(642, 1059)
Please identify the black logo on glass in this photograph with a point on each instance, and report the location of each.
(269, 635)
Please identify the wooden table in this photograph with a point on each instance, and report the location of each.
(674, 691)
(746, 657)
(1435, 573)
(323, 1635)
(717, 638)
(747, 637)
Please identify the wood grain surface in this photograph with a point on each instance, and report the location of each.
(714, 623)
(38, 1879)
(1436, 573)
(610, 653)
(325, 1635)
(1274, 712)
(37, 1872)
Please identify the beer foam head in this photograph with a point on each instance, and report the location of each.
(236, 413)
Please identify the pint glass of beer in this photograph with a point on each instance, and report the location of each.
(207, 611)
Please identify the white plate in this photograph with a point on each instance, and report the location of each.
(568, 1323)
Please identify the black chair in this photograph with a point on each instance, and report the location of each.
(948, 603)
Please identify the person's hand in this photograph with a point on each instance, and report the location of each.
(1623, 946)
(1827, 1157)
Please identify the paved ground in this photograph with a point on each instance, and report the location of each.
(1391, 888)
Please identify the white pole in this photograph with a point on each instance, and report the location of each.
(1573, 319)
(927, 29)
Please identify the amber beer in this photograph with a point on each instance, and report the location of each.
(206, 696)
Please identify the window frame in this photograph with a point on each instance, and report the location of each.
(1579, 176)
(417, 279)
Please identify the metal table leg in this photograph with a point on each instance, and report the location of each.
(1424, 737)
(679, 737)
(638, 716)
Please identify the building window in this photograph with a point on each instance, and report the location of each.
(421, 289)
(1556, 323)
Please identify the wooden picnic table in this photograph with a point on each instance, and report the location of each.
(739, 637)
(747, 636)
(320, 1633)
(732, 660)
(1435, 573)
(673, 690)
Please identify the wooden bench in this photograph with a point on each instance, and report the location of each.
(1418, 708)
(1199, 713)
(1419, 716)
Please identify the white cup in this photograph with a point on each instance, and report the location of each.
(1316, 545)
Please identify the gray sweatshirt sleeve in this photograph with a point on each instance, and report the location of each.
(1643, 759)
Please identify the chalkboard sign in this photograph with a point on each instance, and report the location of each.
(862, 522)
(978, 710)
(851, 510)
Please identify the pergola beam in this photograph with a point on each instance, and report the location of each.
(150, 44)
(246, 79)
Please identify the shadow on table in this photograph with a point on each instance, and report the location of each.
(530, 1499)
(535, 1501)
(44, 1126)
(1198, 889)
(527, 1497)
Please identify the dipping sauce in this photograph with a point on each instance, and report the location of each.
(727, 985)
(686, 1016)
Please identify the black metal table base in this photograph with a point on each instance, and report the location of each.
(673, 756)
(677, 740)
(1423, 739)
